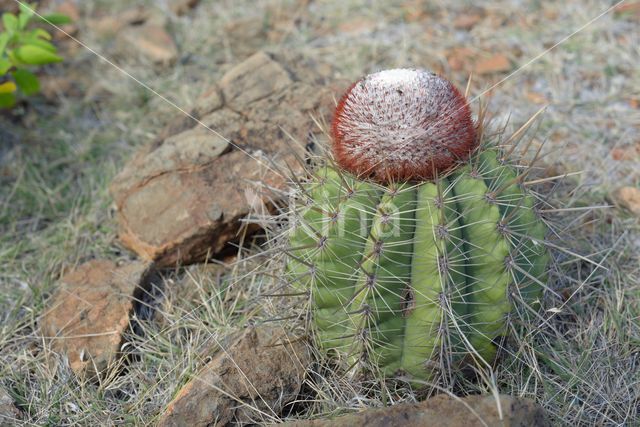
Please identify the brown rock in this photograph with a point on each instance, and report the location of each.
(246, 82)
(110, 25)
(250, 382)
(245, 36)
(90, 311)
(460, 58)
(9, 414)
(209, 101)
(150, 41)
(627, 153)
(184, 196)
(495, 64)
(444, 411)
(467, 21)
(357, 25)
(182, 7)
(628, 198)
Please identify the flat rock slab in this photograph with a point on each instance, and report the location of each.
(183, 196)
(90, 311)
(249, 382)
(444, 411)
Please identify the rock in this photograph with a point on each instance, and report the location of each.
(150, 41)
(628, 198)
(9, 414)
(443, 411)
(110, 25)
(467, 21)
(460, 58)
(183, 196)
(245, 36)
(182, 7)
(627, 153)
(245, 83)
(91, 310)
(357, 25)
(250, 381)
(209, 101)
(495, 64)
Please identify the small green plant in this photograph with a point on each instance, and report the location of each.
(22, 49)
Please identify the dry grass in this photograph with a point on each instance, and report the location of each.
(56, 161)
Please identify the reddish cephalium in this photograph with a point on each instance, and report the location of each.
(402, 125)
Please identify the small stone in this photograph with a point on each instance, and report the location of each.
(628, 198)
(110, 25)
(495, 64)
(90, 311)
(357, 25)
(628, 153)
(150, 41)
(182, 7)
(536, 98)
(460, 58)
(259, 373)
(9, 414)
(444, 411)
(467, 21)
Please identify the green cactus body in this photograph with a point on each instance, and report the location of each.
(414, 277)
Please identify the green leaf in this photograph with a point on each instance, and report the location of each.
(26, 13)
(26, 81)
(14, 59)
(27, 9)
(5, 65)
(36, 55)
(56, 19)
(7, 100)
(40, 43)
(40, 33)
(4, 39)
(10, 22)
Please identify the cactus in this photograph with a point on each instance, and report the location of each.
(413, 243)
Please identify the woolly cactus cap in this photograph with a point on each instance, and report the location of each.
(402, 125)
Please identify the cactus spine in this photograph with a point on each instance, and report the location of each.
(407, 275)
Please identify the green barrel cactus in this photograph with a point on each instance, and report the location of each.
(416, 240)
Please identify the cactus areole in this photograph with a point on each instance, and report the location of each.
(418, 247)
